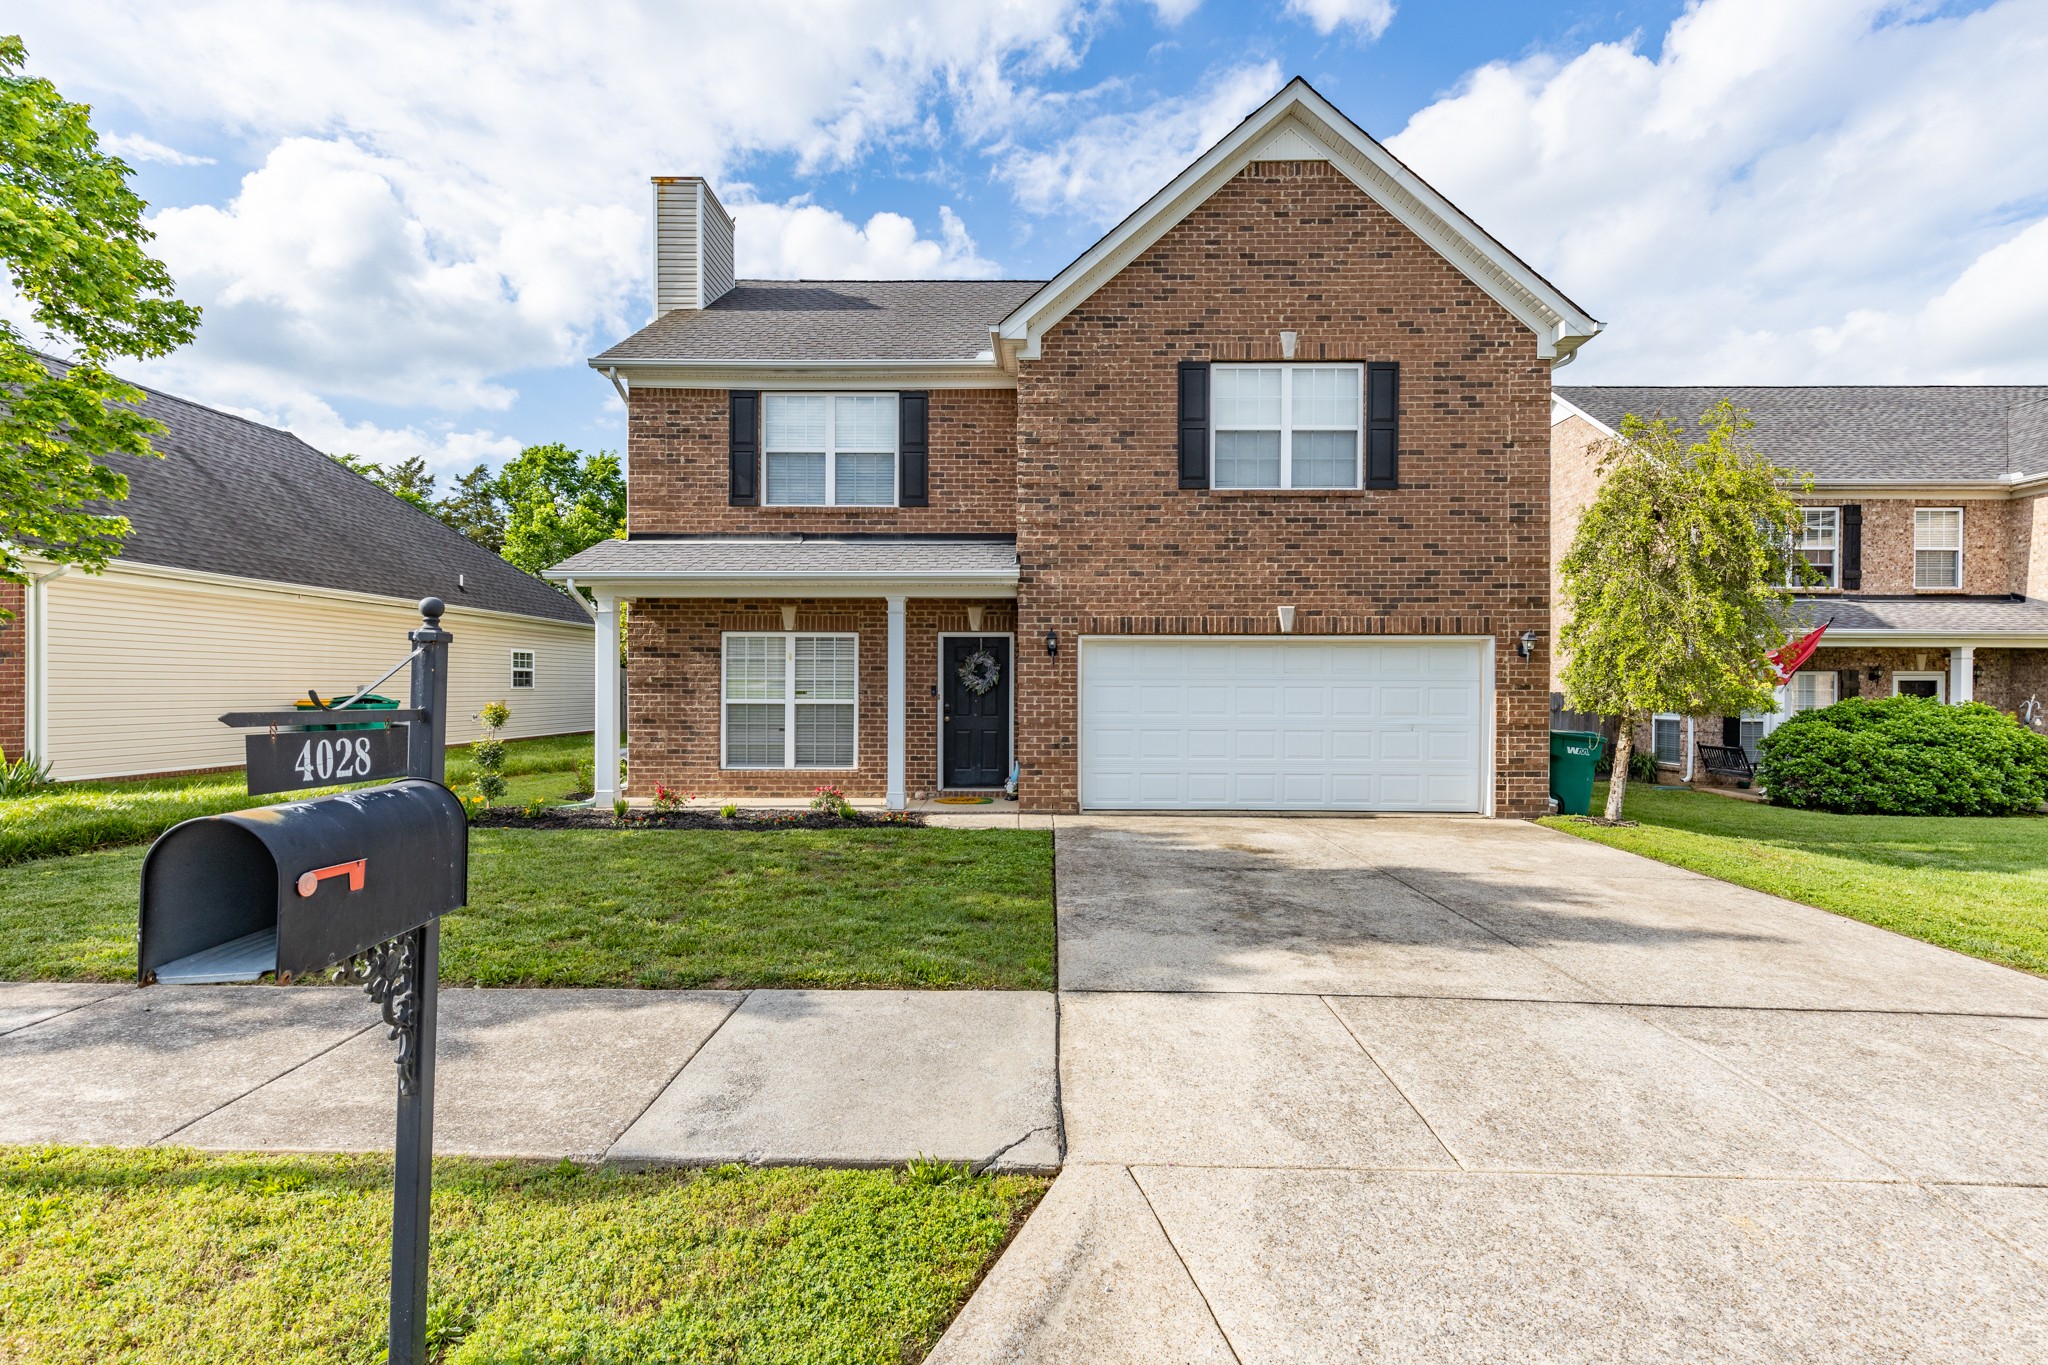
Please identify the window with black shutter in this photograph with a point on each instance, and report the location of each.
(913, 416)
(1383, 425)
(1194, 424)
(1852, 548)
(743, 463)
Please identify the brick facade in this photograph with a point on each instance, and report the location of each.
(677, 472)
(673, 693)
(13, 670)
(1108, 541)
(1990, 566)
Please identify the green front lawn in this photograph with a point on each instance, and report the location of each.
(75, 816)
(162, 1256)
(1979, 886)
(856, 907)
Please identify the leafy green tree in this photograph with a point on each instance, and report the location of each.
(72, 238)
(1673, 586)
(410, 480)
(559, 501)
(475, 506)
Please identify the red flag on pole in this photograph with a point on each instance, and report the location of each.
(1789, 659)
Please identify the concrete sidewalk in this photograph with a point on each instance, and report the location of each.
(647, 1077)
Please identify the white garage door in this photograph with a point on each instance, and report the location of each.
(1266, 724)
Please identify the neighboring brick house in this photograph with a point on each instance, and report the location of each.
(1248, 508)
(1927, 518)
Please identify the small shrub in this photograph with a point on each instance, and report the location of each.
(728, 811)
(831, 801)
(1905, 756)
(534, 809)
(494, 715)
(472, 800)
(586, 777)
(1642, 766)
(488, 753)
(619, 809)
(668, 798)
(23, 776)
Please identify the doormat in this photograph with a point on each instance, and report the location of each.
(964, 800)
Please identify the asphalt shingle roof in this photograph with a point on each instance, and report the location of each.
(795, 555)
(1965, 432)
(1962, 614)
(232, 496)
(822, 320)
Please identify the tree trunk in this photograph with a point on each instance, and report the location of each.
(1624, 749)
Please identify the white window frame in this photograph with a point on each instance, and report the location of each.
(1287, 427)
(1940, 681)
(1957, 551)
(1678, 759)
(1792, 706)
(790, 701)
(1795, 576)
(832, 451)
(1762, 721)
(531, 669)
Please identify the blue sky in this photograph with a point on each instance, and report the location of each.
(408, 224)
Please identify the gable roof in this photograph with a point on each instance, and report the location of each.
(810, 321)
(1298, 124)
(1963, 433)
(231, 496)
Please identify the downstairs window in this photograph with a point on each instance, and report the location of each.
(788, 700)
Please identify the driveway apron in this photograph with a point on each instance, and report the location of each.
(1412, 1088)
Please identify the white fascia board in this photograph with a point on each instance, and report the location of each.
(277, 587)
(1559, 324)
(655, 584)
(981, 373)
(1888, 638)
(1910, 488)
(1562, 408)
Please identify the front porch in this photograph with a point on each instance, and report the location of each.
(761, 670)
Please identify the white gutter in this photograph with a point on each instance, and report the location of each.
(674, 583)
(612, 373)
(35, 717)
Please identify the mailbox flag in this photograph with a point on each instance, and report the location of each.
(1793, 656)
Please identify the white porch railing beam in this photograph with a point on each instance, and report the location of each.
(605, 712)
(899, 674)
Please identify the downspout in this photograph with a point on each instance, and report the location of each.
(612, 373)
(1691, 736)
(35, 719)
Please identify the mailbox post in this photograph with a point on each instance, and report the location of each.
(358, 880)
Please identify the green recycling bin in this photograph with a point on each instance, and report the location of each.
(1572, 756)
(369, 702)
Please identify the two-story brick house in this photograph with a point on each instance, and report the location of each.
(1926, 528)
(1247, 508)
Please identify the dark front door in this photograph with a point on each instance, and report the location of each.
(975, 733)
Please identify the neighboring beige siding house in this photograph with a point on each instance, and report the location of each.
(258, 569)
(1926, 525)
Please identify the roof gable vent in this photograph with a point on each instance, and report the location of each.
(692, 244)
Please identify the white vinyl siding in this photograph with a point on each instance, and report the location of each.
(1286, 426)
(1818, 545)
(141, 666)
(790, 701)
(1937, 547)
(1256, 723)
(829, 450)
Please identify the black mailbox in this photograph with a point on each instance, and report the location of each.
(300, 886)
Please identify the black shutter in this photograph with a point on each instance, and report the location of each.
(1194, 424)
(743, 463)
(1731, 731)
(1383, 425)
(1852, 547)
(912, 413)
(1849, 683)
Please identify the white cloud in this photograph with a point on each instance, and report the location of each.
(1115, 161)
(1368, 17)
(133, 147)
(797, 240)
(1173, 12)
(1828, 191)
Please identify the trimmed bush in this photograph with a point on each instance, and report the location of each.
(1905, 756)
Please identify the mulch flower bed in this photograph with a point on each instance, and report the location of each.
(583, 817)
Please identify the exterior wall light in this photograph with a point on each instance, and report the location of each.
(1527, 644)
(1052, 644)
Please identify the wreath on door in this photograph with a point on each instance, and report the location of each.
(979, 672)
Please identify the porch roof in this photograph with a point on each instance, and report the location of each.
(2021, 622)
(796, 566)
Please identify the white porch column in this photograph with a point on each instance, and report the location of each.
(605, 712)
(898, 680)
(1962, 674)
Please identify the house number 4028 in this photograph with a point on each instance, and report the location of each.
(333, 759)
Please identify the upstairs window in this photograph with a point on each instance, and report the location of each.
(789, 700)
(522, 668)
(1818, 547)
(829, 449)
(1286, 426)
(1937, 547)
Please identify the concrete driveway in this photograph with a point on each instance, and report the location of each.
(1411, 1089)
